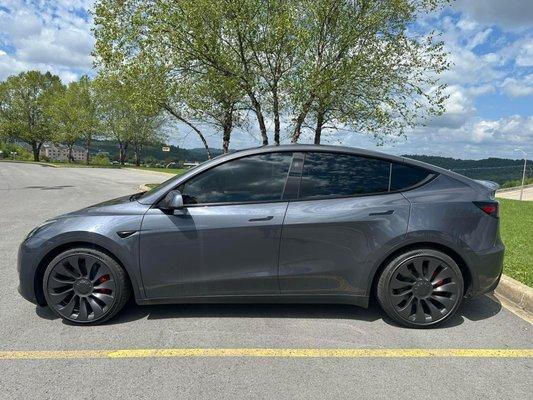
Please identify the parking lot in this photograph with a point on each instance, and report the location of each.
(265, 359)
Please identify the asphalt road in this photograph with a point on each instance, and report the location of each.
(30, 194)
(515, 194)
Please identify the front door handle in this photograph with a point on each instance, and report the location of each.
(261, 219)
(388, 212)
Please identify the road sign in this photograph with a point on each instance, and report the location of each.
(165, 148)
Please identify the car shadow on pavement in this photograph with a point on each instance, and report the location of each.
(476, 309)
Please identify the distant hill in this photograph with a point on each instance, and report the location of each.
(499, 170)
(154, 153)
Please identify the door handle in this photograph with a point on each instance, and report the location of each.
(261, 219)
(388, 212)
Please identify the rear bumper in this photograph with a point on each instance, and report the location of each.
(486, 270)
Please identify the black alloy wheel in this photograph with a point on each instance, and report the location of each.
(421, 288)
(85, 286)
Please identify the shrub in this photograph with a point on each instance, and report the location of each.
(8, 148)
(100, 159)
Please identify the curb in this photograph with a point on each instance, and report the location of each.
(143, 188)
(149, 172)
(515, 292)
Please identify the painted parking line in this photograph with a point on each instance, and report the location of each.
(272, 352)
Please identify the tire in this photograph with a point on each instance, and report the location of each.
(85, 286)
(421, 288)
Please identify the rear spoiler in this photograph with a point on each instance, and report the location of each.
(490, 185)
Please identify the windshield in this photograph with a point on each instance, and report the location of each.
(143, 194)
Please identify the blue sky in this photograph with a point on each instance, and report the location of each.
(489, 111)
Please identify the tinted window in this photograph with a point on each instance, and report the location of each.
(404, 176)
(256, 178)
(329, 174)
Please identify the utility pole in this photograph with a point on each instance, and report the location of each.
(523, 172)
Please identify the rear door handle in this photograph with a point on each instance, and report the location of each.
(261, 219)
(388, 212)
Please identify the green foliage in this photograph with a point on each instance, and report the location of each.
(517, 182)
(25, 101)
(100, 159)
(124, 116)
(331, 63)
(516, 224)
(8, 148)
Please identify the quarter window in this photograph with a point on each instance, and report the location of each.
(404, 176)
(332, 174)
(256, 178)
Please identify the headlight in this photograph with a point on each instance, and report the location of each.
(38, 228)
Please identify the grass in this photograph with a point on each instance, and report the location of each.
(516, 226)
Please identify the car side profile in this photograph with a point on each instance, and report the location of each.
(290, 223)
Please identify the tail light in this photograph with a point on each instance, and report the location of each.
(491, 208)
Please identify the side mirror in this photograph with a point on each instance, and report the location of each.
(173, 200)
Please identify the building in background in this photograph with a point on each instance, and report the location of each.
(59, 152)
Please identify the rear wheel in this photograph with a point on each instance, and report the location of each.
(85, 286)
(421, 288)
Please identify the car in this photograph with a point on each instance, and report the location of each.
(276, 224)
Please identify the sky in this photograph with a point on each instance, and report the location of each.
(489, 112)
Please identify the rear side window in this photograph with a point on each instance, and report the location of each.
(248, 179)
(404, 176)
(333, 175)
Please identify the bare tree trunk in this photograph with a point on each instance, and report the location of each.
(137, 150)
(228, 126)
(36, 148)
(300, 120)
(198, 132)
(70, 155)
(319, 125)
(275, 107)
(260, 117)
(87, 148)
(123, 148)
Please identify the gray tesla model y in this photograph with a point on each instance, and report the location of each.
(296, 223)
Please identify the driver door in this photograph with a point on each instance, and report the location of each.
(226, 240)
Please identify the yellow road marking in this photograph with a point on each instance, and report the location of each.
(302, 353)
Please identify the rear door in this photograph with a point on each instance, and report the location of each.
(346, 214)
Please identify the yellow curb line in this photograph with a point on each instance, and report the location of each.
(298, 353)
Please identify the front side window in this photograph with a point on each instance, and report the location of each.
(249, 179)
(334, 175)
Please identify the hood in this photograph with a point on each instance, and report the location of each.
(124, 205)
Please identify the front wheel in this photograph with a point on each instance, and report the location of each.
(421, 288)
(85, 286)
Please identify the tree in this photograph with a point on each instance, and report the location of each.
(73, 113)
(126, 116)
(144, 130)
(114, 113)
(365, 71)
(86, 109)
(213, 100)
(24, 107)
(327, 63)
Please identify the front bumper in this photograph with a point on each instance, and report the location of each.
(27, 263)
(486, 270)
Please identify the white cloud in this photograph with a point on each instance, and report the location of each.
(509, 14)
(518, 87)
(46, 35)
(525, 54)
